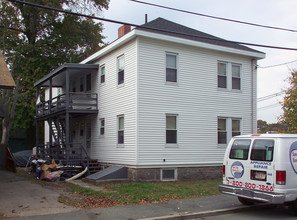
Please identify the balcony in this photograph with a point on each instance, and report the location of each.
(77, 103)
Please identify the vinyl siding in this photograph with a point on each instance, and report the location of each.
(196, 100)
(114, 100)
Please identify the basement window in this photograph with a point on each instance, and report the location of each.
(169, 174)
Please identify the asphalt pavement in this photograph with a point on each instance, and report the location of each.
(23, 199)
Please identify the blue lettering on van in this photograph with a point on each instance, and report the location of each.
(260, 167)
(237, 169)
(262, 163)
(293, 156)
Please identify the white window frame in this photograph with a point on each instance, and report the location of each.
(164, 169)
(100, 71)
(176, 129)
(119, 130)
(229, 76)
(102, 127)
(240, 73)
(229, 129)
(176, 67)
(221, 75)
(122, 57)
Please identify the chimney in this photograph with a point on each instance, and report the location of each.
(124, 30)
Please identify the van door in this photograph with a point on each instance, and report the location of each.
(237, 161)
(261, 165)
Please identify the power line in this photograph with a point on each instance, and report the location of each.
(215, 17)
(270, 96)
(281, 64)
(268, 106)
(148, 28)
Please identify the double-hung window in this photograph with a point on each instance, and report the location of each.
(102, 74)
(222, 131)
(235, 76)
(228, 128)
(121, 69)
(235, 127)
(222, 75)
(121, 129)
(102, 126)
(229, 76)
(171, 67)
(171, 129)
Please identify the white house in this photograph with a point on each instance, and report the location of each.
(168, 99)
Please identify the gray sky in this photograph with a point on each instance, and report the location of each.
(279, 13)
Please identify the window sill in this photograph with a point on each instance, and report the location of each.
(120, 145)
(171, 145)
(229, 90)
(171, 83)
(222, 145)
(102, 84)
(121, 85)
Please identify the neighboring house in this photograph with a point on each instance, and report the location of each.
(166, 99)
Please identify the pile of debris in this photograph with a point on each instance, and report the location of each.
(48, 170)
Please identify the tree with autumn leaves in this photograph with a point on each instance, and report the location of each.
(35, 41)
(289, 105)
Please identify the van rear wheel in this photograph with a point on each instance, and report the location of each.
(293, 206)
(246, 201)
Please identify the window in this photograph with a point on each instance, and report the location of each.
(229, 76)
(235, 127)
(222, 75)
(227, 128)
(121, 68)
(262, 150)
(240, 149)
(168, 174)
(102, 125)
(102, 74)
(235, 76)
(89, 82)
(171, 68)
(171, 131)
(88, 135)
(73, 85)
(81, 85)
(120, 129)
(222, 131)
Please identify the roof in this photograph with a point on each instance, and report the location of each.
(6, 80)
(163, 29)
(61, 72)
(163, 26)
(281, 135)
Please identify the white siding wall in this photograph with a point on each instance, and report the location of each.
(114, 100)
(196, 99)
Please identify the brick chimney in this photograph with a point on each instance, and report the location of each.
(123, 30)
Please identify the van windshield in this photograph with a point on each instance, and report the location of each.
(262, 150)
(240, 149)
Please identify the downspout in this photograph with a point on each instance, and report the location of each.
(252, 96)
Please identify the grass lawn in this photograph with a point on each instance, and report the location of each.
(140, 193)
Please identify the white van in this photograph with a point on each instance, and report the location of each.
(261, 167)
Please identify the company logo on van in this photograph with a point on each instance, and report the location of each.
(237, 169)
(293, 156)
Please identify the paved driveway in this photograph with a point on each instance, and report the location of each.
(21, 197)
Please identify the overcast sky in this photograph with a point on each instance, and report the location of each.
(279, 13)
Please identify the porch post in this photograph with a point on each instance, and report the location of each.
(50, 94)
(36, 122)
(67, 115)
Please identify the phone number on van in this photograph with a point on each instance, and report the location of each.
(250, 185)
